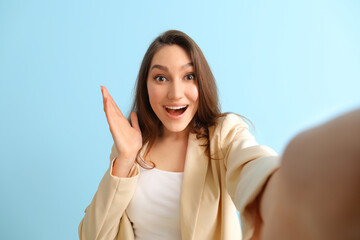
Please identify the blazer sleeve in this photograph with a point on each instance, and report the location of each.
(248, 167)
(102, 216)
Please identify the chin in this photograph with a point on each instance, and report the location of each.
(176, 128)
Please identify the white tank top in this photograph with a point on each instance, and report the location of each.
(154, 210)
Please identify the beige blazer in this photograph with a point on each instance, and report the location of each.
(212, 190)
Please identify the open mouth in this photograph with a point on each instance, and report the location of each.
(176, 111)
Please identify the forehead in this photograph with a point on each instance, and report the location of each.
(172, 55)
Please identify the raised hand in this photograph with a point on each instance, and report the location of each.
(127, 138)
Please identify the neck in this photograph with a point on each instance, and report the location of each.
(175, 136)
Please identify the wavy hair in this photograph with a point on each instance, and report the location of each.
(208, 107)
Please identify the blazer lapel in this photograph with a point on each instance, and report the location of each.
(196, 165)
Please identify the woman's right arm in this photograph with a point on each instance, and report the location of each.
(117, 187)
(102, 216)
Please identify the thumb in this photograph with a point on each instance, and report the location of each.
(134, 121)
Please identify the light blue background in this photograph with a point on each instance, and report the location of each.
(286, 65)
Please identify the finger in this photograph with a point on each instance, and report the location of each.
(103, 91)
(112, 111)
(114, 106)
(106, 93)
(106, 102)
(107, 110)
(108, 97)
(134, 121)
(104, 96)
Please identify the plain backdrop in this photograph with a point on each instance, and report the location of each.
(286, 65)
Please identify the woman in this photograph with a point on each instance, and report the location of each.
(181, 169)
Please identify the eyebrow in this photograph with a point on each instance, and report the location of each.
(166, 69)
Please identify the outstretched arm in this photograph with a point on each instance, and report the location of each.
(102, 218)
(316, 192)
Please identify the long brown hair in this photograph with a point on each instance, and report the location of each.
(208, 108)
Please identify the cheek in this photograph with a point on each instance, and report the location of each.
(193, 93)
(155, 94)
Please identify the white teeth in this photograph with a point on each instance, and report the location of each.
(175, 108)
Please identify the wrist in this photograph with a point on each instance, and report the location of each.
(121, 167)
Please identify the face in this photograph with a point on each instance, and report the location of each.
(172, 88)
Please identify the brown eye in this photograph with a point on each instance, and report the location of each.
(160, 78)
(190, 76)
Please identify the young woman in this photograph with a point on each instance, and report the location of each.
(181, 168)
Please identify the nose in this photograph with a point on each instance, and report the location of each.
(176, 90)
